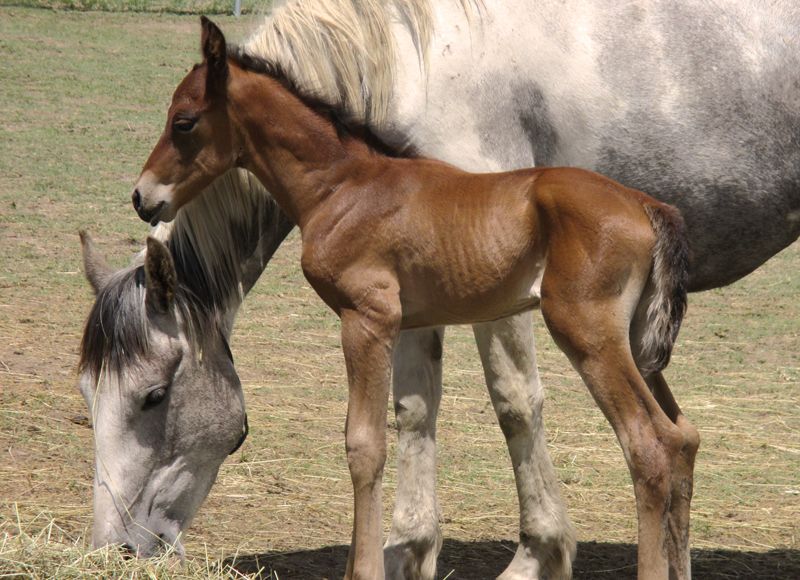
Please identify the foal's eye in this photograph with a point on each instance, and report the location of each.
(184, 125)
(155, 397)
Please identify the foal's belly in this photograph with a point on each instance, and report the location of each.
(429, 304)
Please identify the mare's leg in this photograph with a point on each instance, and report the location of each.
(367, 341)
(415, 539)
(547, 539)
(591, 335)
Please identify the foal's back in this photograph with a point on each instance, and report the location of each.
(468, 247)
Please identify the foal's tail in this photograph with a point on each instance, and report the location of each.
(669, 279)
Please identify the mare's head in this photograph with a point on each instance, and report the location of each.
(166, 403)
(198, 143)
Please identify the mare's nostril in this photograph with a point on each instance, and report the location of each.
(128, 551)
(136, 198)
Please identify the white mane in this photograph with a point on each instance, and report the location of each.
(226, 228)
(344, 50)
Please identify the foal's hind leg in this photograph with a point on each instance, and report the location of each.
(596, 343)
(415, 538)
(681, 481)
(547, 539)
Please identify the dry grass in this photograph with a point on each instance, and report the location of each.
(41, 549)
(82, 101)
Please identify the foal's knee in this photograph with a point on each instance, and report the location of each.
(417, 380)
(663, 468)
(366, 457)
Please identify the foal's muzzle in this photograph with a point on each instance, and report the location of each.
(148, 215)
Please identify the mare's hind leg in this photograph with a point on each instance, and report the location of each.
(547, 539)
(597, 344)
(415, 539)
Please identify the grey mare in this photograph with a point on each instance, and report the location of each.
(156, 369)
(696, 103)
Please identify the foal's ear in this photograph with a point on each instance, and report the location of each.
(215, 54)
(97, 271)
(160, 277)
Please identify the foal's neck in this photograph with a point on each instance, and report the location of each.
(296, 151)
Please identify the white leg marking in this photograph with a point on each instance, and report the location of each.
(415, 539)
(547, 539)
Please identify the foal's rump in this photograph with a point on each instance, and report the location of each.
(618, 254)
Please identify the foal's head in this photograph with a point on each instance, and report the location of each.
(164, 397)
(198, 143)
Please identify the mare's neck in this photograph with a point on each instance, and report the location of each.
(222, 241)
(294, 150)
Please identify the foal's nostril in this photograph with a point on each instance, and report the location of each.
(136, 198)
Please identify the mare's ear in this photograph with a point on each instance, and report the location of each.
(215, 54)
(97, 271)
(160, 277)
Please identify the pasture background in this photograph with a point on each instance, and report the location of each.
(82, 100)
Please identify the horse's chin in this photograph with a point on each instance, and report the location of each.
(166, 214)
(174, 551)
(162, 546)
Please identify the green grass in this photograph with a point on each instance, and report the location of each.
(82, 101)
(165, 6)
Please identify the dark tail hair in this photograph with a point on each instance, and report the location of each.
(670, 279)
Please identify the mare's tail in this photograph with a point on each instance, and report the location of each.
(669, 279)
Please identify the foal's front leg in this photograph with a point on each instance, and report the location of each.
(368, 336)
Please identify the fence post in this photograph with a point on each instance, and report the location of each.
(237, 7)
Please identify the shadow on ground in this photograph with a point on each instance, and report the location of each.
(485, 560)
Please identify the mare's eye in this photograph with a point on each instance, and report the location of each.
(154, 397)
(184, 125)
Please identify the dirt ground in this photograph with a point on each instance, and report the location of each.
(73, 134)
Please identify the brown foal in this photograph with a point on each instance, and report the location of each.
(392, 243)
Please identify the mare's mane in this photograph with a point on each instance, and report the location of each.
(211, 240)
(344, 52)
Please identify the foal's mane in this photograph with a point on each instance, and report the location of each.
(343, 120)
(231, 227)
